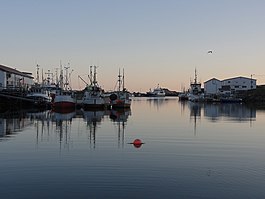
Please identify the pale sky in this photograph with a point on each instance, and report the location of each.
(155, 41)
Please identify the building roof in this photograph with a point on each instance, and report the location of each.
(239, 77)
(228, 79)
(212, 79)
(14, 71)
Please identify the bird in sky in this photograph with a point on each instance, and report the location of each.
(210, 52)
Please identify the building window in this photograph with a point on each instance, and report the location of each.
(244, 86)
(236, 86)
(228, 81)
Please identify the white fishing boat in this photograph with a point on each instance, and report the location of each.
(195, 93)
(41, 92)
(156, 92)
(120, 98)
(40, 97)
(93, 96)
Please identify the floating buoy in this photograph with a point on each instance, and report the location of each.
(137, 143)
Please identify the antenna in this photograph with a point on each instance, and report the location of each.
(38, 77)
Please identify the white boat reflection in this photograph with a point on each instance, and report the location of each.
(195, 113)
(120, 118)
(58, 116)
(93, 118)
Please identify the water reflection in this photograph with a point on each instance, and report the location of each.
(13, 122)
(218, 112)
(231, 112)
(215, 112)
(63, 124)
(195, 113)
(119, 118)
(49, 125)
(93, 119)
(157, 102)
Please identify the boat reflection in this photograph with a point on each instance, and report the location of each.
(93, 119)
(195, 113)
(159, 101)
(63, 124)
(120, 118)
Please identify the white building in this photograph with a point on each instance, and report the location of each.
(240, 83)
(11, 78)
(215, 86)
(212, 86)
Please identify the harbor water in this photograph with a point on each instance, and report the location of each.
(190, 150)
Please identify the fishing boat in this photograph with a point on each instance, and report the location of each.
(93, 96)
(195, 93)
(183, 96)
(121, 97)
(41, 98)
(41, 93)
(157, 92)
(65, 98)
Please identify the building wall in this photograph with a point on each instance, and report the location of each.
(212, 86)
(17, 81)
(2, 80)
(240, 83)
(236, 84)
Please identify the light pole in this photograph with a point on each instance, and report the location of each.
(251, 87)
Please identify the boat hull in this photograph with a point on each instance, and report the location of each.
(121, 104)
(64, 102)
(95, 103)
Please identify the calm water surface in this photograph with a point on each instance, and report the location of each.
(190, 151)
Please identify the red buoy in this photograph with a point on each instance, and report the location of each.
(137, 143)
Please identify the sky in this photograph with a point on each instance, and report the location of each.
(155, 41)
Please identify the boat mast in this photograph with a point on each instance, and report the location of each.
(195, 80)
(95, 76)
(48, 77)
(38, 78)
(123, 87)
(66, 76)
(61, 76)
(119, 80)
(91, 75)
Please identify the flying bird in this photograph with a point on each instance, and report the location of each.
(210, 51)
